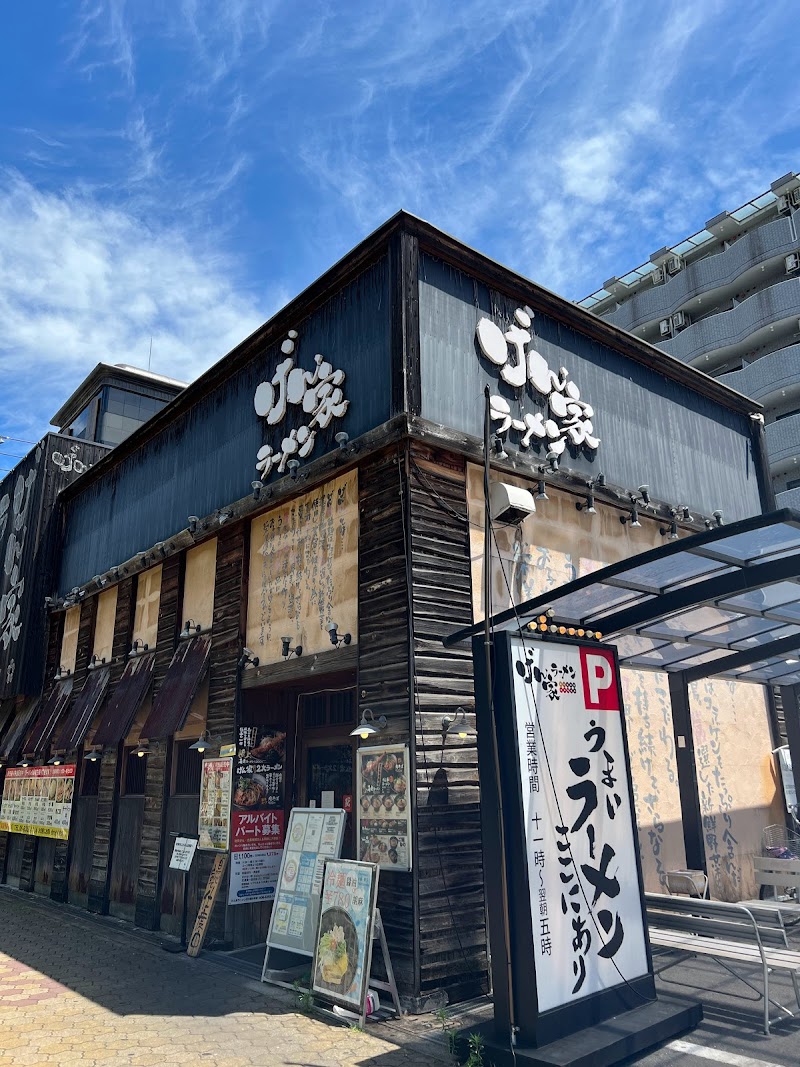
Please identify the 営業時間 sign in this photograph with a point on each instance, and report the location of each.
(585, 898)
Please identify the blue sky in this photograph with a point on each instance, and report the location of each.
(180, 170)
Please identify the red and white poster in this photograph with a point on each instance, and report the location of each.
(586, 908)
(257, 814)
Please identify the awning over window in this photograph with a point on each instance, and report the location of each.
(175, 696)
(725, 602)
(38, 740)
(12, 742)
(125, 701)
(83, 711)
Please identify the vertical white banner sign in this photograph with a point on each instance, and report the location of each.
(586, 910)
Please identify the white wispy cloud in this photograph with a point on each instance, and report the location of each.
(81, 283)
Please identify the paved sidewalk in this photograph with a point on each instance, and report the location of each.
(77, 991)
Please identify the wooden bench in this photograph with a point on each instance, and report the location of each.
(729, 933)
(776, 873)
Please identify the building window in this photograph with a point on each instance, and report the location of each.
(328, 709)
(188, 764)
(134, 775)
(123, 412)
(90, 777)
(793, 483)
(787, 414)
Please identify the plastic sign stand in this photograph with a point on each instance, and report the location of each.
(578, 987)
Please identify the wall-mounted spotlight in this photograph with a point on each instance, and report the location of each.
(100, 580)
(588, 505)
(161, 548)
(644, 493)
(287, 650)
(93, 755)
(600, 481)
(61, 674)
(369, 725)
(685, 514)
(717, 515)
(95, 662)
(77, 594)
(138, 648)
(259, 490)
(294, 467)
(633, 518)
(541, 491)
(190, 627)
(194, 523)
(342, 439)
(672, 529)
(552, 463)
(50, 602)
(223, 516)
(497, 447)
(247, 657)
(456, 724)
(337, 638)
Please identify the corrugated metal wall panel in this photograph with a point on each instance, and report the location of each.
(687, 448)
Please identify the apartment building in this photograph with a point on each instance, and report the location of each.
(726, 300)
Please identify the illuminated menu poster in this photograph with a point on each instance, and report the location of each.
(38, 801)
(384, 807)
(257, 814)
(344, 943)
(213, 822)
(314, 836)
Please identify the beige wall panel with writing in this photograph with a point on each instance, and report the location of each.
(104, 624)
(198, 585)
(69, 639)
(148, 597)
(304, 570)
(736, 779)
(654, 772)
(551, 547)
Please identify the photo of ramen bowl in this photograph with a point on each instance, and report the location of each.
(337, 951)
(377, 803)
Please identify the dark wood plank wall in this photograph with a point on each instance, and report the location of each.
(158, 764)
(84, 811)
(181, 817)
(30, 844)
(61, 849)
(125, 858)
(448, 863)
(383, 663)
(230, 605)
(109, 770)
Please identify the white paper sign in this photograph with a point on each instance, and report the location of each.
(586, 909)
(254, 875)
(183, 853)
(327, 800)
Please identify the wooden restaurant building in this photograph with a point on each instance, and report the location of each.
(328, 472)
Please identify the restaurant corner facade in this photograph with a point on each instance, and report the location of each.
(329, 471)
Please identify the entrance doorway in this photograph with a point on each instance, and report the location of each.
(327, 755)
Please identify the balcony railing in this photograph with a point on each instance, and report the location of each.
(659, 302)
(783, 440)
(789, 498)
(769, 374)
(733, 327)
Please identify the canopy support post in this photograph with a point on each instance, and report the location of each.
(687, 772)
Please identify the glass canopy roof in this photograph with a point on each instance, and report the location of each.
(723, 603)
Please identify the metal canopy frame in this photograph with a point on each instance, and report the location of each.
(722, 603)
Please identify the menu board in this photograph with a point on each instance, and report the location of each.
(314, 836)
(343, 952)
(38, 801)
(213, 820)
(384, 806)
(257, 814)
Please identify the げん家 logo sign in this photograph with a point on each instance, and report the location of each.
(566, 418)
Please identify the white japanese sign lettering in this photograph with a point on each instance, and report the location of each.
(317, 392)
(566, 418)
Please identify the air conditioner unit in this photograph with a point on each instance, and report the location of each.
(665, 326)
(657, 275)
(783, 204)
(680, 320)
(674, 264)
(794, 197)
(792, 262)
